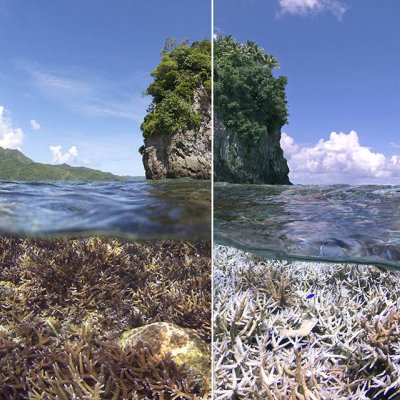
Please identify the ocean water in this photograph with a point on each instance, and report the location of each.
(139, 209)
(358, 224)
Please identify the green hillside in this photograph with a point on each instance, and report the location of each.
(14, 166)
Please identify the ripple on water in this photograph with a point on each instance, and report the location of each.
(175, 209)
(331, 223)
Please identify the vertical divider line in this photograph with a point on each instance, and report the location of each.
(212, 199)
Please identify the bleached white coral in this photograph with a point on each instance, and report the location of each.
(350, 348)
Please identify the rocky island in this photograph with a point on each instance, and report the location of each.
(177, 128)
(250, 109)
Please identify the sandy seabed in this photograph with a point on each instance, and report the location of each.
(304, 330)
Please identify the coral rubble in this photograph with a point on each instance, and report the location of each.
(64, 304)
(304, 330)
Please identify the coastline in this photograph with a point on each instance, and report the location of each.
(304, 330)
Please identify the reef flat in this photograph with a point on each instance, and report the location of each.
(304, 330)
(69, 306)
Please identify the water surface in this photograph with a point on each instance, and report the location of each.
(328, 223)
(175, 209)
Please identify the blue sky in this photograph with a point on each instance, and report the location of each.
(342, 60)
(72, 74)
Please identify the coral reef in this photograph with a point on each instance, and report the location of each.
(64, 304)
(304, 330)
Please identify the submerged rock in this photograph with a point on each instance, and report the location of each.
(184, 344)
(236, 161)
(7, 287)
(182, 154)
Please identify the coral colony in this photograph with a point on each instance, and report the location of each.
(69, 309)
(274, 340)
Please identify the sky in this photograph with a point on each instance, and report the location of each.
(342, 60)
(73, 73)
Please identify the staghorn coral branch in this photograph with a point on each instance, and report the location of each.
(351, 351)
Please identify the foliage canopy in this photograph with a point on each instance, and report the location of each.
(183, 68)
(248, 98)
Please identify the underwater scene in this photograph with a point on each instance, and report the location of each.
(90, 307)
(306, 292)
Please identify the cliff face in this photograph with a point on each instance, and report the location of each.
(237, 162)
(250, 107)
(182, 154)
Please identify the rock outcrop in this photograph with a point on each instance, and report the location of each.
(182, 154)
(238, 162)
(183, 344)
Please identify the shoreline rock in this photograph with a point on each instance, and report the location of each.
(182, 154)
(238, 162)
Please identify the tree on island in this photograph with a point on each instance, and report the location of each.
(183, 69)
(247, 96)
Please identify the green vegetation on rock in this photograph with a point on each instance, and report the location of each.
(247, 96)
(183, 68)
(14, 166)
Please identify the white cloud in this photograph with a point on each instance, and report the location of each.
(217, 32)
(10, 138)
(90, 95)
(60, 158)
(34, 125)
(340, 159)
(306, 7)
(56, 84)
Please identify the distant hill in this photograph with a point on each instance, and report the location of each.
(14, 166)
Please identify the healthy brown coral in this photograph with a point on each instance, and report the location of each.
(68, 301)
